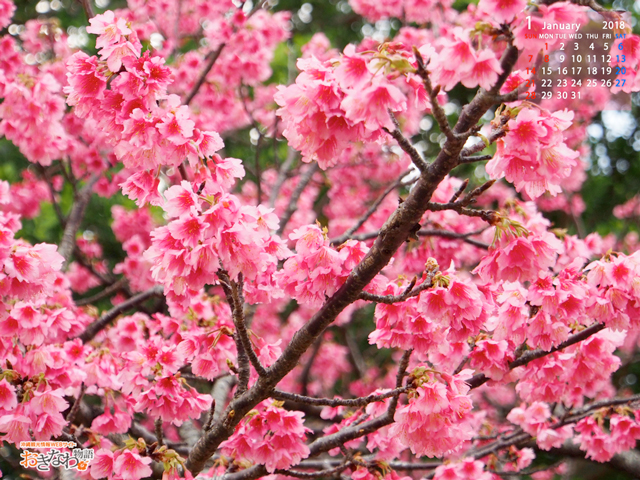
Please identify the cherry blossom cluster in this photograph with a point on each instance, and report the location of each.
(270, 436)
(600, 445)
(435, 420)
(316, 269)
(422, 11)
(580, 371)
(468, 468)
(36, 130)
(452, 308)
(147, 126)
(536, 421)
(125, 464)
(533, 155)
(329, 106)
(209, 231)
(26, 270)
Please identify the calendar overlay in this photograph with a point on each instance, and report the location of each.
(584, 64)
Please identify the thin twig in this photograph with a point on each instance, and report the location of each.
(304, 180)
(304, 376)
(235, 297)
(93, 329)
(338, 402)
(76, 405)
(106, 292)
(282, 176)
(319, 474)
(159, 433)
(532, 355)
(52, 192)
(354, 353)
(408, 293)
(75, 219)
(437, 110)
(408, 148)
(474, 158)
(372, 209)
(213, 57)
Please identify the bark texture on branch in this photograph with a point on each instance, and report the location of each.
(392, 235)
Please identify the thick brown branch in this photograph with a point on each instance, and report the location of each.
(392, 235)
(88, 8)
(93, 329)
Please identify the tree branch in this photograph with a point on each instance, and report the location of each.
(474, 158)
(304, 180)
(213, 57)
(347, 235)
(52, 192)
(107, 291)
(319, 474)
(337, 402)
(304, 377)
(76, 405)
(408, 293)
(94, 328)
(88, 8)
(409, 149)
(392, 235)
(628, 462)
(438, 112)
(434, 233)
(235, 298)
(480, 378)
(282, 176)
(75, 219)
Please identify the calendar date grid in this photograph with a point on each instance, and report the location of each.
(576, 60)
